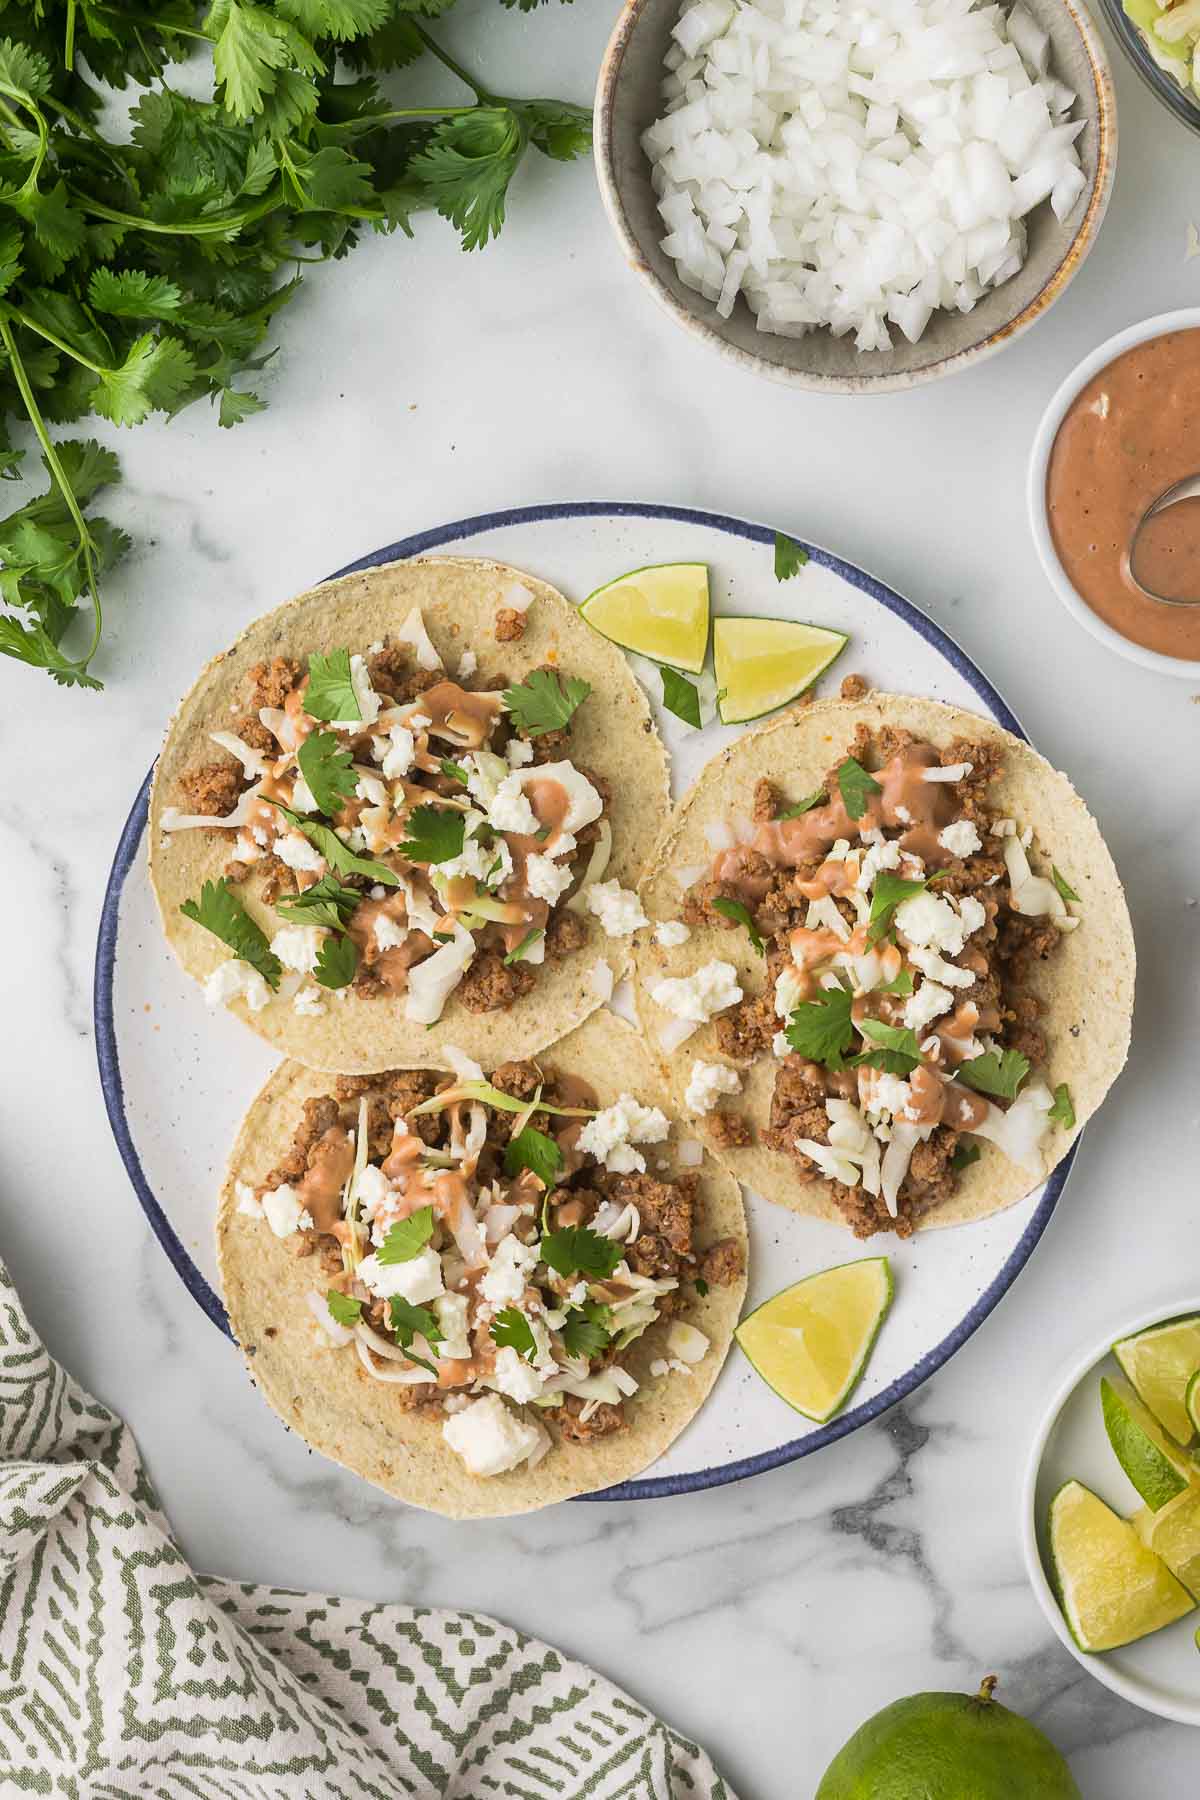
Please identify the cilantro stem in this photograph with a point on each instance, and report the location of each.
(131, 18)
(59, 476)
(455, 68)
(59, 344)
(69, 45)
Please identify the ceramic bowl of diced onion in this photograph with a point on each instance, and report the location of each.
(855, 196)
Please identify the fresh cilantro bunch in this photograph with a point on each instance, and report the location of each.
(138, 276)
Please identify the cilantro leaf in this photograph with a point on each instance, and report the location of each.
(326, 902)
(818, 798)
(535, 1151)
(466, 166)
(1063, 1110)
(454, 771)
(855, 787)
(740, 913)
(545, 702)
(337, 962)
(681, 696)
(406, 1238)
(343, 1308)
(821, 1029)
(155, 375)
(511, 1329)
(524, 947)
(888, 892)
(220, 911)
(409, 1321)
(586, 1329)
(964, 1155)
(238, 404)
(790, 557)
(577, 1249)
(900, 984)
(327, 770)
(998, 1072)
(1063, 885)
(701, 1286)
(435, 835)
(557, 128)
(133, 294)
(896, 1043)
(330, 692)
(338, 855)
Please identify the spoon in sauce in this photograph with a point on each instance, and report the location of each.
(1164, 558)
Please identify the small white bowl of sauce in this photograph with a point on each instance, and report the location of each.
(1124, 427)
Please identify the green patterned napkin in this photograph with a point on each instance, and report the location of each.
(123, 1673)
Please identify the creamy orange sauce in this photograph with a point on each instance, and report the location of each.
(1130, 434)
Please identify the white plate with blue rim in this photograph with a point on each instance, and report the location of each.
(177, 1077)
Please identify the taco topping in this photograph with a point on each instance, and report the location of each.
(490, 1250)
(415, 835)
(898, 914)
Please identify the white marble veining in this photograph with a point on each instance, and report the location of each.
(416, 384)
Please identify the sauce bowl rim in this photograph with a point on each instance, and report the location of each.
(1184, 318)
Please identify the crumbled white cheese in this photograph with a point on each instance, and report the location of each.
(510, 809)
(372, 790)
(299, 946)
(233, 978)
(519, 752)
(477, 862)
(508, 1273)
(546, 879)
(903, 814)
(584, 804)
(245, 848)
(951, 772)
(248, 1201)
(398, 756)
(388, 934)
(284, 1211)
(309, 1002)
(780, 1045)
(450, 1311)
(927, 1004)
(927, 920)
(672, 932)
(880, 1092)
(610, 1136)
(961, 838)
(417, 1280)
(372, 1190)
(468, 663)
(489, 1438)
(294, 849)
(515, 1377)
(937, 969)
(707, 991)
(706, 1084)
(618, 909)
(883, 855)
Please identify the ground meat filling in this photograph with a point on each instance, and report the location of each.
(779, 881)
(667, 1246)
(272, 727)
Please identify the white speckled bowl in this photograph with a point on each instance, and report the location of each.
(1160, 1673)
(627, 101)
(1186, 319)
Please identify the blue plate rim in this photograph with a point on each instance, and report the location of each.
(439, 538)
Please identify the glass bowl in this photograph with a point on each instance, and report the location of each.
(1176, 98)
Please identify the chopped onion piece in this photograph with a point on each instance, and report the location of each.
(413, 632)
(517, 597)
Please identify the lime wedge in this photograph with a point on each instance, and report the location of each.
(811, 1342)
(1192, 1400)
(1157, 1467)
(660, 612)
(1111, 1588)
(763, 663)
(1160, 1362)
(1173, 1532)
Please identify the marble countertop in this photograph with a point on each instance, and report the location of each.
(416, 384)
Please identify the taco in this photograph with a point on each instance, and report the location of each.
(483, 1296)
(891, 965)
(408, 808)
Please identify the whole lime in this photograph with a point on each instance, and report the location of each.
(948, 1747)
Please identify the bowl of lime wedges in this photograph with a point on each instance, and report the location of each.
(1110, 1511)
